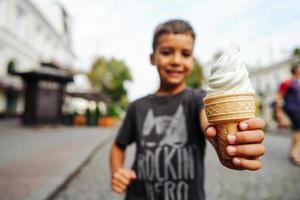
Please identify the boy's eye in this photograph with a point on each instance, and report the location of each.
(186, 53)
(165, 51)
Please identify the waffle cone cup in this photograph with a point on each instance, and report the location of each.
(225, 112)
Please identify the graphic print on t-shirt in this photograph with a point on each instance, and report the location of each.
(166, 162)
(164, 130)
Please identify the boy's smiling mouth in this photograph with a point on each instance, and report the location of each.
(173, 72)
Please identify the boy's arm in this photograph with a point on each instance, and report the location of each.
(245, 146)
(117, 156)
(120, 177)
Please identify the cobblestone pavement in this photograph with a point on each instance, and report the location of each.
(93, 181)
(278, 179)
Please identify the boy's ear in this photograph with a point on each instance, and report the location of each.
(151, 58)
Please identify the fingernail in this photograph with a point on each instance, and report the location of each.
(210, 128)
(236, 161)
(231, 150)
(231, 138)
(243, 126)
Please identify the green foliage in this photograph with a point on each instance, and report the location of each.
(123, 103)
(114, 111)
(296, 52)
(11, 69)
(109, 76)
(97, 112)
(88, 113)
(91, 117)
(195, 79)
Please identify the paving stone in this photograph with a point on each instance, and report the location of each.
(278, 178)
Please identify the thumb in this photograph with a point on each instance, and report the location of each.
(210, 131)
(132, 175)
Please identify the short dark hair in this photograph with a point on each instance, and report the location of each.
(294, 68)
(175, 26)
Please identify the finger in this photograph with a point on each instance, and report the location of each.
(118, 189)
(252, 124)
(121, 177)
(249, 164)
(246, 137)
(117, 183)
(210, 131)
(246, 150)
(132, 174)
(128, 174)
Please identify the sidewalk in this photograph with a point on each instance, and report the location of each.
(36, 162)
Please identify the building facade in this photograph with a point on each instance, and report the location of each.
(265, 81)
(29, 36)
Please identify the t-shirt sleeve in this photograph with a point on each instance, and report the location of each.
(126, 134)
(284, 86)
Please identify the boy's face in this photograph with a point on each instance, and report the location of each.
(173, 57)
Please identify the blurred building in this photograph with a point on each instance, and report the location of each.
(31, 32)
(266, 80)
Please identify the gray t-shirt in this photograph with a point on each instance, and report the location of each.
(170, 146)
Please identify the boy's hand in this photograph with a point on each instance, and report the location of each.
(245, 146)
(121, 179)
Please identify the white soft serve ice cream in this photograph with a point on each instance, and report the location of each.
(229, 75)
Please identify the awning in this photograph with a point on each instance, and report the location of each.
(47, 73)
(92, 95)
(11, 83)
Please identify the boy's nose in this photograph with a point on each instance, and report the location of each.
(175, 59)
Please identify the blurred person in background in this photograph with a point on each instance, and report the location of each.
(288, 102)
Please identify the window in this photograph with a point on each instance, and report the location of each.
(20, 22)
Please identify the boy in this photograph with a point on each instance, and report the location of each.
(170, 126)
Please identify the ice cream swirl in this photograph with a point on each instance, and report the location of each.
(229, 75)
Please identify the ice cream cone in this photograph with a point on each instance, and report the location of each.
(225, 112)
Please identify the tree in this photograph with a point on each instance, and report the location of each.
(109, 76)
(196, 77)
(296, 52)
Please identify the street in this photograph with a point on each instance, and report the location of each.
(278, 178)
(36, 161)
